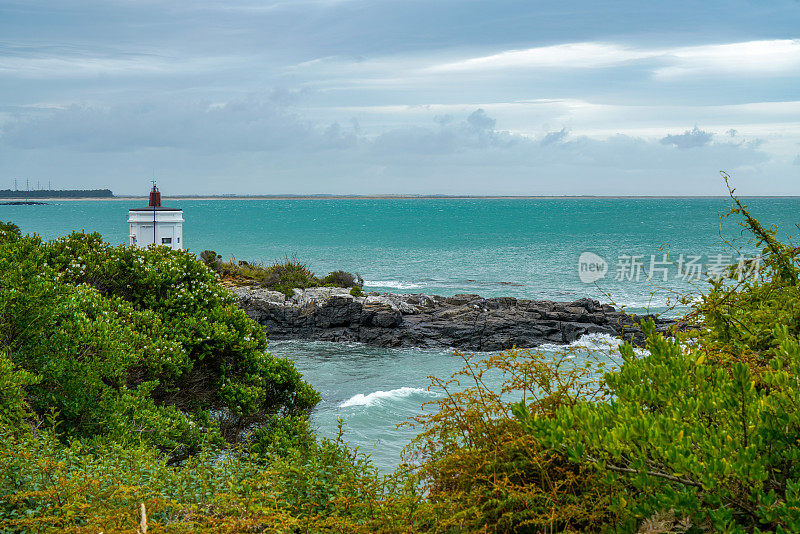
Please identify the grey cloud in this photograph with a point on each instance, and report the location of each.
(620, 164)
(689, 139)
(265, 146)
(479, 120)
(460, 146)
(415, 140)
(284, 96)
(336, 137)
(796, 161)
(475, 132)
(242, 125)
(555, 137)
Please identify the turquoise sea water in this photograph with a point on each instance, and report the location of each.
(494, 247)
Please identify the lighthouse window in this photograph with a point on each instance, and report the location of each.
(166, 240)
(179, 240)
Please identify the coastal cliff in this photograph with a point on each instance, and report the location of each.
(467, 322)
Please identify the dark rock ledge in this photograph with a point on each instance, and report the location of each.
(466, 322)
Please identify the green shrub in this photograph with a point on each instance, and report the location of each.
(736, 319)
(694, 440)
(49, 486)
(340, 279)
(483, 473)
(9, 230)
(286, 275)
(139, 344)
(283, 276)
(210, 259)
(13, 381)
(356, 291)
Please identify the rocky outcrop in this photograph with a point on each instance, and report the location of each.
(466, 322)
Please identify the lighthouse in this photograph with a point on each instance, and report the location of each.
(156, 224)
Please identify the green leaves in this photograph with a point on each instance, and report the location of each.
(676, 425)
(13, 381)
(135, 344)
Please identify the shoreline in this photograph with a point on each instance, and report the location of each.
(417, 320)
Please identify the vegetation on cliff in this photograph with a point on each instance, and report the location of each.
(100, 412)
(284, 276)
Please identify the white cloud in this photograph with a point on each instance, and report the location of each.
(776, 57)
(36, 62)
(571, 55)
(689, 139)
(773, 57)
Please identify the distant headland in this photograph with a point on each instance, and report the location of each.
(55, 193)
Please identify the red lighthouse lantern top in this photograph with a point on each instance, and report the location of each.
(155, 197)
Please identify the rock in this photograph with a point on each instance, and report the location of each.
(460, 299)
(466, 322)
(396, 302)
(318, 296)
(255, 292)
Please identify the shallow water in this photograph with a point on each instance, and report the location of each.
(373, 390)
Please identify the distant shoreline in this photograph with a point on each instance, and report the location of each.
(405, 197)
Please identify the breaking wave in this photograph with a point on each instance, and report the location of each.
(394, 284)
(385, 396)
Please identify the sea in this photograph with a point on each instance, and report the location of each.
(638, 253)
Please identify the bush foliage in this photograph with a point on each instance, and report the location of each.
(123, 371)
(284, 276)
(138, 344)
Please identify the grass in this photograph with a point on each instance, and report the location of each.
(285, 275)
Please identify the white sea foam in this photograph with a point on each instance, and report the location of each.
(394, 284)
(593, 342)
(587, 341)
(378, 396)
(597, 341)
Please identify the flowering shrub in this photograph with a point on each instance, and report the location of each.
(143, 344)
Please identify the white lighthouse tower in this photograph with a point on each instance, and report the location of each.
(156, 224)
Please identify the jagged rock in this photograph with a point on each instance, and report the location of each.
(317, 296)
(466, 322)
(257, 293)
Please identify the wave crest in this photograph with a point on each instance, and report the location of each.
(394, 284)
(378, 396)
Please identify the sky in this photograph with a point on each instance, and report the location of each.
(365, 97)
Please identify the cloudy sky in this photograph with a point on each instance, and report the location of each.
(401, 96)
